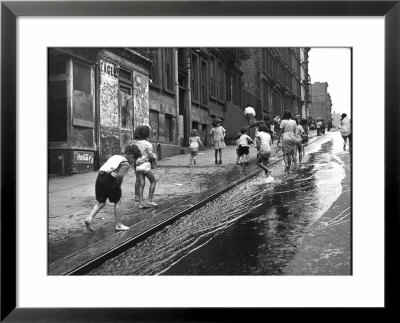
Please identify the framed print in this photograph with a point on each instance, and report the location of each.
(29, 290)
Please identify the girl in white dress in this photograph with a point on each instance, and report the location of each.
(217, 135)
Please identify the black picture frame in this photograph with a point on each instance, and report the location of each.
(10, 10)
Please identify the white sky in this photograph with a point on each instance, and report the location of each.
(333, 65)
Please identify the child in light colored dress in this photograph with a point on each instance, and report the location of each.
(299, 142)
(194, 142)
(217, 135)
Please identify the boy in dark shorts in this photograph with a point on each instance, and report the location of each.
(108, 185)
(244, 143)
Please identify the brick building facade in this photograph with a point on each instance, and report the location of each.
(276, 77)
(321, 103)
(98, 96)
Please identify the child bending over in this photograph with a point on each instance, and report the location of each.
(108, 185)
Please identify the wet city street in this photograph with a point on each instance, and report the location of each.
(298, 225)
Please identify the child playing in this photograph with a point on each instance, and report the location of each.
(304, 135)
(134, 142)
(237, 149)
(263, 143)
(108, 185)
(143, 167)
(217, 135)
(194, 141)
(299, 145)
(244, 146)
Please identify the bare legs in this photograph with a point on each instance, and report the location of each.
(262, 162)
(118, 225)
(287, 158)
(294, 156)
(345, 142)
(300, 150)
(220, 156)
(150, 176)
(192, 159)
(137, 189)
(95, 210)
(141, 179)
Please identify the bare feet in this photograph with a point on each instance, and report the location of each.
(121, 227)
(88, 223)
(152, 204)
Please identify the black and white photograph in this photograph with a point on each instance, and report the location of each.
(200, 161)
(183, 162)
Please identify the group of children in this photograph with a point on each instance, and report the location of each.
(293, 136)
(139, 152)
(262, 141)
(217, 135)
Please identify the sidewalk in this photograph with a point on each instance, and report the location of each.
(181, 189)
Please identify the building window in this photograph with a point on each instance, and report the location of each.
(125, 75)
(155, 74)
(154, 124)
(169, 131)
(181, 59)
(57, 65)
(81, 78)
(220, 82)
(203, 82)
(57, 99)
(195, 78)
(265, 97)
(125, 88)
(235, 89)
(264, 58)
(57, 111)
(212, 77)
(169, 71)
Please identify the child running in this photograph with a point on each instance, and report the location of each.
(244, 146)
(143, 167)
(194, 141)
(237, 149)
(304, 135)
(134, 143)
(299, 141)
(108, 185)
(263, 143)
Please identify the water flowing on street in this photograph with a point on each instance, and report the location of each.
(253, 229)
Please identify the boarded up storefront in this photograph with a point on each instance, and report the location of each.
(123, 105)
(71, 113)
(109, 112)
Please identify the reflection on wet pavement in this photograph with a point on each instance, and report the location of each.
(253, 229)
